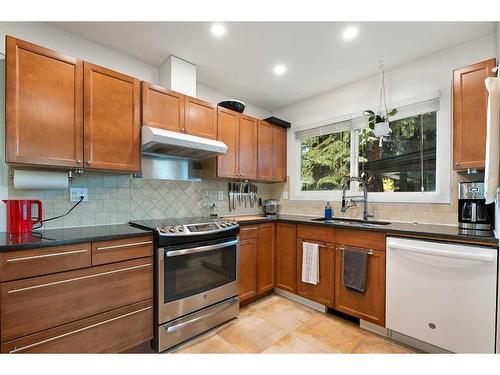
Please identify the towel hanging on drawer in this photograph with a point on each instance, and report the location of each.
(355, 267)
(310, 263)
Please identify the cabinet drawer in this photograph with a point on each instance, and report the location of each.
(313, 232)
(21, 264)
(119, 250)
(361, 238)
(248, 232)
(111, 332)
(39, 303)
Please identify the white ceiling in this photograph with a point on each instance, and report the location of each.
(317, 58)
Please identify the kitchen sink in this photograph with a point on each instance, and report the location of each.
(353, 222)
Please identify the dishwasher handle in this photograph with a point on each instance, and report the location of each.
(456, 254)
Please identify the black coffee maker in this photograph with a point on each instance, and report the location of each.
(473, 212)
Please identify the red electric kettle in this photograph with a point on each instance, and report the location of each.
(19, 216)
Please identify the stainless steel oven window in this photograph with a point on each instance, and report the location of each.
(197, 269)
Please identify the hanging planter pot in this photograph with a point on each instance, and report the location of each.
(379, 122)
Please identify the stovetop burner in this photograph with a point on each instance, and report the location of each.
(193, 226)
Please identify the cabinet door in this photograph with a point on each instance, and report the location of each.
(323, 291)
(279, 154)
(162, 108)
(369, 305)
(44, 106)
(227, 164)
(286, 257)
(111, 120)
(247, 147)
(200, 118)
(265, 258)
(469, 114)
(265, 151)
(248, 268)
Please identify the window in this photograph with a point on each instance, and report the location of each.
(407, 159)
(407, 163)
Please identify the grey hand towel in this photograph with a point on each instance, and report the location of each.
(355, 269)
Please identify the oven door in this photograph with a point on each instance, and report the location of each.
(194, 276)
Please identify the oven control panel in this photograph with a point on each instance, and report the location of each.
(193, 229)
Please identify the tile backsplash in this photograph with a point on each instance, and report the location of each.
(116, 199)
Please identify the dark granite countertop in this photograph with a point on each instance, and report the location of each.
(431, 231)
(66, 236)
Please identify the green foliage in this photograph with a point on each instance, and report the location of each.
(325, 161)
(374, 118)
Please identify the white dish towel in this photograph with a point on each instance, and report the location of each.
(492, 162)
(310, 263)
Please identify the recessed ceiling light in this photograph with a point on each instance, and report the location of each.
(218, 30)
(350, 33)
(279, 69)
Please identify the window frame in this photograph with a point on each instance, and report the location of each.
(443, 174)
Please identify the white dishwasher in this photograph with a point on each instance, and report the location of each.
(443, 294)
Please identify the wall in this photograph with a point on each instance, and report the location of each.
(419, 77)
(112, 198)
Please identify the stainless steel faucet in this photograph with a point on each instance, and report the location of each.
(353, 200)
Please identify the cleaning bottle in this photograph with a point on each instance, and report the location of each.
(328, 211)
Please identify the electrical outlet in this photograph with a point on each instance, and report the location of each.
(76, 193)
(221, 195)
(285, 195)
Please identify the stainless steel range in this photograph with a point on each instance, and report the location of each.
(196, 276)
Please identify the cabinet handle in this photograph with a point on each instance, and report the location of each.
(16, 349)
(77, 278)
(87, 162)
(370, 251)
(78, 162)
(45, 255)
(123, 245)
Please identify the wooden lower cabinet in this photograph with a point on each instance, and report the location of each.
(286, 257)
(39, 303)
(265, 258)
(248, 268)
(323, 292)
(369, 305)
(256, 260)
(110, 332)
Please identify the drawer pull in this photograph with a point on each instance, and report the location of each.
(15, 350)
(77, 278)
(124, 245)
(46, 255)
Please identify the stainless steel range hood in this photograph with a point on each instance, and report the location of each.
(164, 143)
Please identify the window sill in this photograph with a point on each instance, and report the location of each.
(410, 197)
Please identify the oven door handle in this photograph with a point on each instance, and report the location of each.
(218, 309)
(200, 249)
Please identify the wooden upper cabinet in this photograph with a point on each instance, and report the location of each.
(200, 118)
(111, 120)
(265, 151)
(279, 154)
(271, 157)
(247, 147)
(44, 106)
(162, 108)
(469, 114)
(227, 164)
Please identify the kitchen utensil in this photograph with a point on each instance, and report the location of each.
(19, 215)
(230, 195)
(235, 187)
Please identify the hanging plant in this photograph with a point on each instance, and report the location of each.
(379, 121)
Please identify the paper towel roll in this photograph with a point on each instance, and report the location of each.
(40, 180)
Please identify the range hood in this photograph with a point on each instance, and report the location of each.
(165, 143)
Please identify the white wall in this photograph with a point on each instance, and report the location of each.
(426, 75)
(498, 41)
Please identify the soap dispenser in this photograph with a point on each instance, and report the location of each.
(328, 211)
